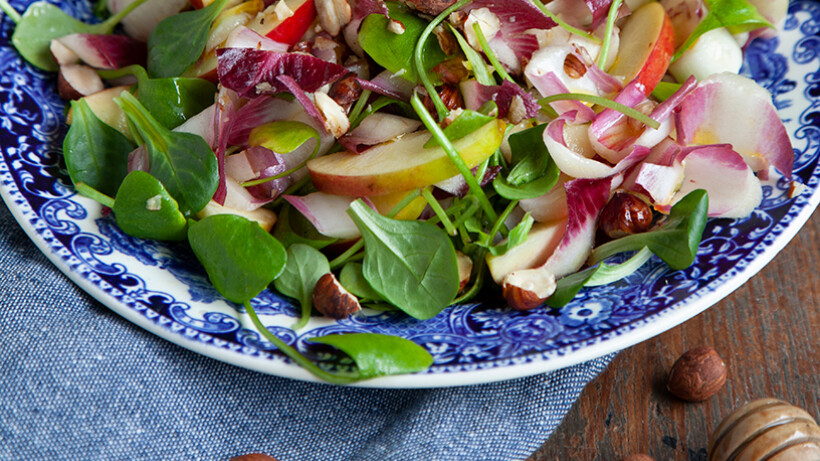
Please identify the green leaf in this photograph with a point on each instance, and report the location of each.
(305, 266)
(665, 90)
(183, 162)
(602, 274)
(283, 136)
(517, 236)
(178, 41)
(380, 355)
(467, 122)
(736, 15)
(479, 67)
(412, 264)
(144, 209)
(352, 278)
(95, 153)
(171, 101)
(534, 172)
(394, 51)
(241, 259)
(292, 228)
(43, 22)
(675, 242)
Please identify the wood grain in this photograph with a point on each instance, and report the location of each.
(766, 332)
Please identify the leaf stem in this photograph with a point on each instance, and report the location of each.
(500, 222)
(563, 24)
(610, 24)
(342, 258)
(439, 211)
(88, 191)
(356, 112)
(490, 54)
(295, 355)
(10, 11)
(115, 19)
(608, 103)
(462, 167)
(441, 109)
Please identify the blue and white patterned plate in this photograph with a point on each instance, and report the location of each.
(162, 288)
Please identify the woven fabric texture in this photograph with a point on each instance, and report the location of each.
(81, 383)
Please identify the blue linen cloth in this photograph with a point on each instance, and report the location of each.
(81, 383)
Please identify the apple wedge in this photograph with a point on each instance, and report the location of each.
(103, 105)
(400, 165)
(285, 21)
(647, 46)
(541, 242)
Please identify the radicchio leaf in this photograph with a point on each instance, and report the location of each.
(728, 108)
(513, 45)
(258, 162)
(251, 72)
(476, 95)
(106, 51)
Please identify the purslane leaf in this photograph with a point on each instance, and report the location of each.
(380, 355)
(303, 269)
(241, 259)
(144, 209)
(95, 153)
(179, 40)
(412, 264)
(184, 163)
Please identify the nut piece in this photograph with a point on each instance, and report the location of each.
(697, 375)
(431, 7)
(625, 214)
(768, 429)
(638, 457)
(335, 116)
(527, 288)
(332, 299)
(346, 91)
(253, 457)
(465, 268)
(333, 15)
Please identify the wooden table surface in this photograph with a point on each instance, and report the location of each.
(766, 332)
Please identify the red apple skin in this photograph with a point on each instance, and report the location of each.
(661, 48)
(291, 30)
(199, 4)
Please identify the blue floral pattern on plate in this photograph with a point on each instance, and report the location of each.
(162, 288)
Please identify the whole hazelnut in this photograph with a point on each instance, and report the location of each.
(625, 214)
(253, 457)
(697, 375)
(638, 457)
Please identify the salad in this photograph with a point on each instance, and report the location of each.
(411, 155)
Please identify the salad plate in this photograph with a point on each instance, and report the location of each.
(162, 288)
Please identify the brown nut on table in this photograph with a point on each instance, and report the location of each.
(625, 214)
(697, 375)
(253, 457)
(332, 299)
(638, 457)
(766, 429)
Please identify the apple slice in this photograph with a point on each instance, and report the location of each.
(103, 105)
(647, 45)
(400, 165)
(385, 203)
(541, 242)
(285, 21)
